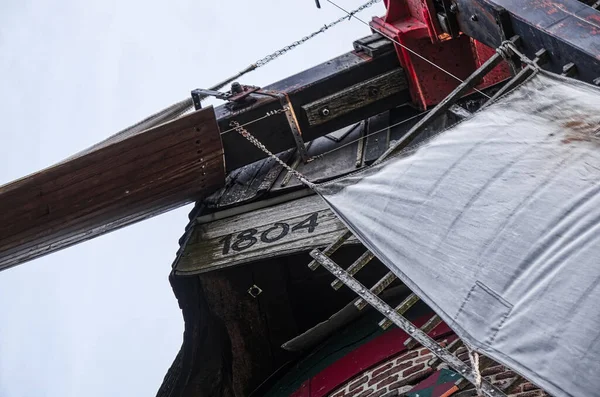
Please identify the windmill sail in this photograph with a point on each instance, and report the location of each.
(494, 223)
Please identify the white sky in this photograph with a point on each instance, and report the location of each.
(100, 319)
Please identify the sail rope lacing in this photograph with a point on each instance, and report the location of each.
(474, 359)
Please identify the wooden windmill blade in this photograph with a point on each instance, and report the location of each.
(125, 179)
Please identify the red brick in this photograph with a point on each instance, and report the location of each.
(424, 351)
(391, 371)
(413, 369)
(493, 370)
(461, 350)
(366, 393)
(355, 391)
(358, 383)
(424, 358)
(464, 357)
(413, 379)
(528, 387)
(386, 382)
(502, 384)
(339, 394)
(378, 393)
(382, 369)
(535, 393)
(505, 375)
(398, 368)
(407, 356)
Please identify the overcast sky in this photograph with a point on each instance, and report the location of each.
(100, 319)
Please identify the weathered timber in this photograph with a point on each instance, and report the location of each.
(283, 229)
(329, 78)
(134, 178)
(358, 96)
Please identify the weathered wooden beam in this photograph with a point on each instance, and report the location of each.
(352, 86)
(357, 96)
(282, 229)
(116, 183)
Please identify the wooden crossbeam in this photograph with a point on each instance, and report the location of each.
(354, 268)
(402, 308)
(377, 289)
(118, 182)
(427, 327)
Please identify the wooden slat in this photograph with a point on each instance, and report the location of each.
(377, 289)
(350, 99)
(283, 229)
(354, 268)
(402, 308)
(427, 327)
(114, 185)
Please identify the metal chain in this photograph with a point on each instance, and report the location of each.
(278, 53)
(244, 132)
(182, 107)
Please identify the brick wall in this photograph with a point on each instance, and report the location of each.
(401, 373)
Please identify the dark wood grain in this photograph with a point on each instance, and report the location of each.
(357, 96)
(110, 187)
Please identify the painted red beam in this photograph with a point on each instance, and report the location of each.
(111, 185)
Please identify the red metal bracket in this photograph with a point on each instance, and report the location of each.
(413, 23)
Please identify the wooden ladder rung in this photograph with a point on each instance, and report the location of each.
(331, 248)
(427, 327)
(400, 309)
(452, 348)
(354, 268)
(377, 289)
(514, 385)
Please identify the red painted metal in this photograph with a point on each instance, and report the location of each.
(361, 359)
(413, 24)
(303, 391)
(482, 53)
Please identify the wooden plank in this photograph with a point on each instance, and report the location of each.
(357, 96)
(114, 185)
(377, 142)
(283, 229)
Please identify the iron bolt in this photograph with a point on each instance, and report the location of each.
(474, 18)
(454, 8)
(325, 112)
(236, 87)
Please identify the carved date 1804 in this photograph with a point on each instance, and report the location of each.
(247, 238)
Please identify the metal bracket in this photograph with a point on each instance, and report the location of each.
(238, 96)
(294, 126)
(373, 45)
(418, 335)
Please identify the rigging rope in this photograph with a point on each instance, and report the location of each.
(474, 359)
(236, 126)
(180, 108)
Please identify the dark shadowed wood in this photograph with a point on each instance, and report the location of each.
(114, 185)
